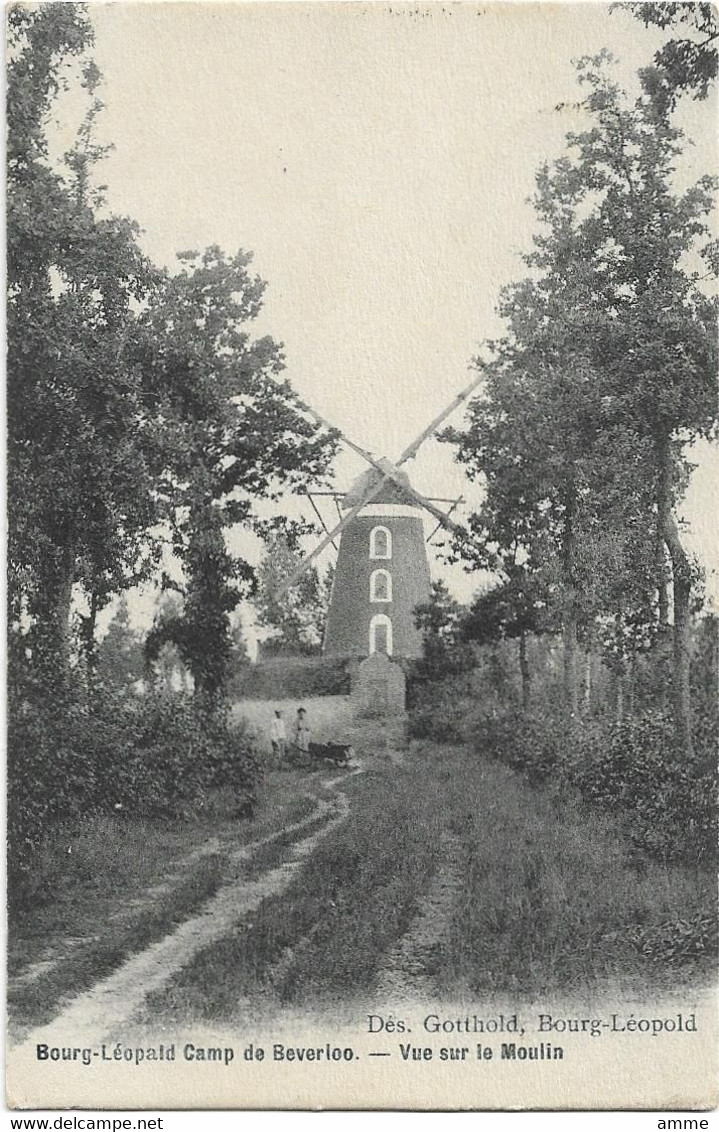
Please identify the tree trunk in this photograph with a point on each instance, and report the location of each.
(65, 599)
(619, 695)
(569, 627)
(90, 642)
(571, 694)
(524, 669)
(633, 677)
(681, 593)
(662, 582)
(589, 666)
(588, 681)
(58, 583)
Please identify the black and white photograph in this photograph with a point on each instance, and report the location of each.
(362, 557)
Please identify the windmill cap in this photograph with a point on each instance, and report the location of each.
(391, 492)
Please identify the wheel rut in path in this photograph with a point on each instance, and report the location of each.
(95, 1013)
(409, 971)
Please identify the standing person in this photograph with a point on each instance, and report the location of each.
(302, 732)
(278, 735)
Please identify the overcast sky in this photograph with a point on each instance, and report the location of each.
(377, 160)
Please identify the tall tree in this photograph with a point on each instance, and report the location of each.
(515, 610)
(445, 648)
(689, 60)
(659, 361)
(607, 370)
(79, 496)
(234, 434)
(119, 654)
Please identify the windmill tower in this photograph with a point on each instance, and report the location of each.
(382, 572)
(381, 576)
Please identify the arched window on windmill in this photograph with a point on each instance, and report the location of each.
(380, 585)
(380, 543)
(380, 634)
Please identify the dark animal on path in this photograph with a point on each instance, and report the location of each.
(339, 754)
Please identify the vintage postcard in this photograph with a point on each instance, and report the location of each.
(362, 564)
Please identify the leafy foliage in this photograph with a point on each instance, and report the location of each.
(297, 616)
(80, 504)
(179, 756)
(444, 648)
(688, 62)
(607, 369)
(234, 434)
(672, 802)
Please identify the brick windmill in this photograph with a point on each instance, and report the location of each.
(382, 571)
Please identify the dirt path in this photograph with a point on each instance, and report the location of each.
(409, 973)
(95, 1013)
(52, 960)
(182, 865)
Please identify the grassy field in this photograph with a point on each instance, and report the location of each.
(551, 899)
(329, 717)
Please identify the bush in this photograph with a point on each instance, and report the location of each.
(524, 743)
(293, 678)
(679, 940)
(42, 780)
(51, 775)
(439, 719)
(631, 767)
(451, 710)
(636, 766)
(155, 756)
(178, 755)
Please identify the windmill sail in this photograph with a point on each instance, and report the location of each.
(381, 473)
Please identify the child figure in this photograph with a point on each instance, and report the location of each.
(302, 732)
(278, 735)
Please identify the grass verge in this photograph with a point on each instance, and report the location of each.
(330, 930)
(113, 884)
(555, 899)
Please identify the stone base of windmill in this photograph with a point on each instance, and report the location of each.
(378, 695)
